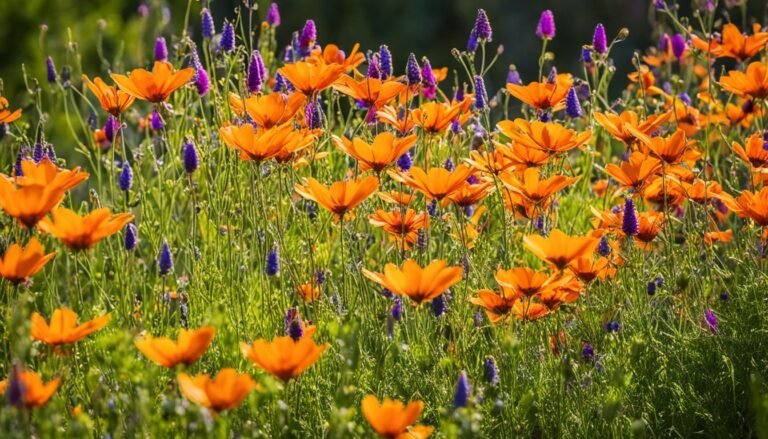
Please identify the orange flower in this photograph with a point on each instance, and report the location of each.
(627, 126)
(543, 95)
(259, 145)
(664, 192)
(701, 191)
(588, 269)
(469, 194)
(80, 233)
(331, 54)
(155, 86)
(382, 152)
(401, 121)
(436, 117)
(419, 284)
(436, 183)
(529, 310)
(64, 328)
(497, 306)
(112, 100)
(7, 116)
(649, 226)
(308, 292)
(374, 93)
(522, 157)
(750, 205)
(523, 281)
(753, 83)
(633, 173)
(403, 226)
(491, 162)
(283, 357)
(46, 173)
(522, 207)
(391, 418)
(187, 349)
(672, 149)
(310, 78)
(17, 265)
(733, 43)
(268, 110)
(398, 198)
(546, 136)
(753, 151)
(532, 188)
(342, 196)
(558, 248)
(710, 238)
(36, 394)
(224, 392)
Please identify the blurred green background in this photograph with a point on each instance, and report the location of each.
(74, 31)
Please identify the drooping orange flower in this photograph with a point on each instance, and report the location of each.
(402, 226)
(308, 292)
(634, 173)
(733, 43)
(550, 137)
(18, 265)
(497, 306)
(627, 126)
(64, 328)
(224, 392)
(81, 233)
(649, 226)
(400, 120)
(436, 183)
(259, 145)
(587, 269)
(531, 187)
(421, 285)
(391, 418)
(188, 348)
(672, 149)
(310, 78)
(6, 115)
(112, 100)
(749, 205)
(341, 197)
(36, 394)
(753, 83)
(155, 86)
(373, 93)
(753, 151)
(268, 110)
(607, 220)
(332, 54)
(558, 248)
(283, 357)
(543, 95)
(377, 155)
(521, 206)
(436, 117)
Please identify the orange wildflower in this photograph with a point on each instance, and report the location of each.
(7, 116)
(491, 162)
(332, 54)
(634, 173)
(550, 137)
(188, 348)
(155, 86)
(391, 418)
(715, 236)
(421, 285)
(532, 187)
(587, 269)
(753, 83)
(310, 78)
(401, 121)
(672, 149)
(342, 196)
(528, 310)
(436, 183)
(733, 43)
(649, 226)
(224, 392)
(701, 191)
(308, 292)
(403, 226)
(17, 265)
(259, 145)
(46, 173)
(112, 100)
(522, 157)
(664, 191)
(497, 306)
(64, 328)
(436, 117)
(627, 126)
(753, 151)
(543, 95)
(374, 93)
(283, 357)
(469, 194)
(558, 248)
(523, 281)
(81, 233)
(749, 205)
(268, 110)
(36, 394)
(398, 198)
(377, 155)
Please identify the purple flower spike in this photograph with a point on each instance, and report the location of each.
(50, 70)
(165, 259)
(308, 35)
(190, 157)
(599, 40)
(161, 49)
(125, 180)
(546, 27)
(710, 320)
(208, 28)
(481, 97)
(412, 70)
(155, 121)
(273, 15)
(482, 27)
(462, 391)
(227, 43)
(629, 223)
(255, 77)
(385, 61)
(678, 45)
(572, 105)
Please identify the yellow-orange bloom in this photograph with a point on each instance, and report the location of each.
(47, 173)
(627, 126)
(64, 328)
(532, 187)
(308, 292)
(558, 248)
(469, 194)
(421, 285)
(634, 173)
(543, 95)
(749, 205)
(112, 100)
(283, 357)
(155, 86)
(497, 306)
(753, 151)
(188, 348)
(310, 78)
(753, 83)
(342, 196)
(224, 392)
(36, 394)
(550, 137)
(391, 418)
(377, 155)
(17, 265)
(332, 54)
(436, 183)
(268, 110)
(374, 93)
(6, 115)
(401, 121)
(402, 226)
(259, 145)
(80, 233)
(523, 281)
(672, 149)
(436, 117)
(733, 43)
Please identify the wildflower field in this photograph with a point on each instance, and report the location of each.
(243, 236)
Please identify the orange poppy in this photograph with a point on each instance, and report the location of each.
(547, 136)
(46, 173)
(558, 248)
(332, 54)
(436, 183)
(627, 126)
(749, 205)
(391, 418)
(523, 281)
(377, 155)
(188, 348)
(469, 194)
(436, 117)
(155, 86)
(81, 233)
(421, 285)
(308, 292)
(497, 306)
(672, 149)
(529, 310)
(224, 392)
(522, 157)
(491, 162)
(543, 95)
(341, 197)
(753, 151)
(17, 265)
(633, 173)
(268, 110)
(36, 394)
(400, 120)
(310, 78)
(112, 100)
(64, 328)
(753, 83)
(283, 357)
(6, 115)
(403, 226)
(374, 93)
(587, 269)
(259, 145)
(733, 43)
(532, 187)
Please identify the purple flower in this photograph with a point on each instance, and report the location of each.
(513, 76)
(586, 55)
(481, 97)
(456, 126)
(684, 98)
(208, 28)
(439, 305)
(604, 248)
(572, 105)
(255, 77)
(599, 40)
(428, 80)
(678, 45)
(280, 83)
(38, 153)
(202, 83)
(155, 121)
(50, 70)
(161, 49)
(613, 326)
(710, 320)
(472, 42)
(397, 309)
(405, 162)
(588, 352)
(315, 118)
(385, 61)
(651, 288)
(490, 370)
(16, 390)
(308, 36)
(629, 223)
(51, 153)
(449, 165)
(374, 69)
(190, 157)
(125, 180)
(462, 391)
(412, 70)
(478, 319)
(294, 327)
(482, 27)
(432, 208)
(273, 262)
(659, 5)
(111, 127)
(273, 15)
(165, 259)
(546, 27)
(143, 10)
(131, 236)
(227, 43)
